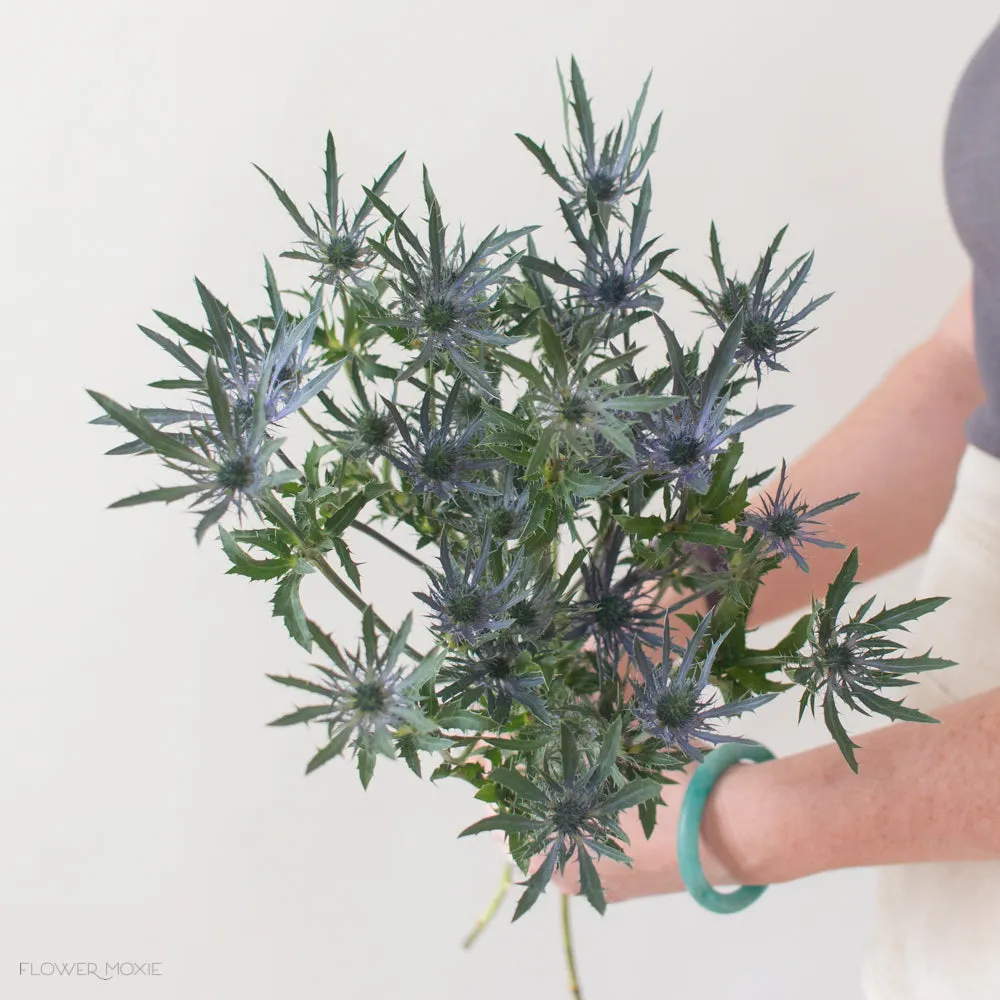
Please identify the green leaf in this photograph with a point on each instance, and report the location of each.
(892, 618)
(344, 555)
(297, 682)
(255, 569)
(219, 399)
(535, 885)
(288, 607)
(290, 206)
(609, 751)
(311, 464)
(163, 444)
(196, 338)
(506, 822)
(333, 749)
(590, 882)
(635, 792)
(570, 757)
(466, 721)
(306, 714)
(366, 766)
(541, 451)
(553, 347)
(517, 783)
(837, 731)
(733, 507)
(710, 534)
(166, 494)
(647, 816)
(644, 404)
(842, 585)
(891, 709)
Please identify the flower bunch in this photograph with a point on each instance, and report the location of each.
(488, 405)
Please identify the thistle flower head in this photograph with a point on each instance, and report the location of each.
(506, 516)
(441, 460)
(279, 367)
(340, 248)
(616, 613)
(498, 673)
(368, 428)
(446, 295)
(679, 443)
(673, 703)
(768, 329)
(603, 174)
(784, 523)
(366, 695)
(469, 604)
(572, 811)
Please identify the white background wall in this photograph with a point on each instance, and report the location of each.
(149, 814)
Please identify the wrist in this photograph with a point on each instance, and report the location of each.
(746, 827)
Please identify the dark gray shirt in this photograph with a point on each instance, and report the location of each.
(972, 184)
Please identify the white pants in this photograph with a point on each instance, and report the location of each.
(937, 926)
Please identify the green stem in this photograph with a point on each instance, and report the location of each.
(574, 985)
(490, 912)
(371, 532)
(274, 506)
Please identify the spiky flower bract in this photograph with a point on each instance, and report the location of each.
(573, 813)
(498, 673)
(616, 613)
(445, 295)
(852, 660)
(368, 695)
(783, 522)
(341, 249)
(679, 443)
(443, 459)
(469, 603)
(604, 175)
(672, 703)
(768, 330)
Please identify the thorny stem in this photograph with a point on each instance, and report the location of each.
(574, 985)
(367, 529)
(273, 505)
(490, 912)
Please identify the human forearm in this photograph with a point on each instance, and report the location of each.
(900, 449)
(923, 792)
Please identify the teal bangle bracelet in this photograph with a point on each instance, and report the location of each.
(689, 825)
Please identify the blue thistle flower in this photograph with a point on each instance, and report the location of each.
(679, 443)
(506, 516)
(612, 282)
(440, 460)
(852, 660)
(340, 248)
(768, 330)
(366, 694)
(673, 704)
(279, 366)
(572, 813)
(617, 613)
(498, 674)
(470, 604)
(369, 429)
(445, 296)
(604, 175)
(783, 523)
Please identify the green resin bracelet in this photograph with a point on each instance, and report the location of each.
(689, 825)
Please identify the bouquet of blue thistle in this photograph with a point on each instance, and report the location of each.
(491, 409)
